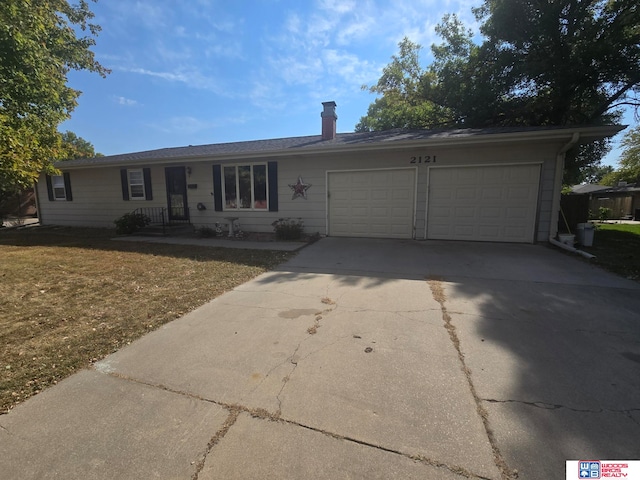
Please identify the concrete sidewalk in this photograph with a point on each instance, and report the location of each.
(360, 359)
(216, 242)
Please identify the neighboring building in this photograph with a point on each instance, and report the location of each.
(623, 201)
(496, 184)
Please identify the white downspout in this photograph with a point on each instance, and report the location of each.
(557, 192)
(557, 185)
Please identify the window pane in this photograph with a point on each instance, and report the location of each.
(244, 182)
(57, 182)
(260, 186)
(135, 177)
(136, 184)
(230, 187)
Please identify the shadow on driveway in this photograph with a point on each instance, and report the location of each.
(552, 342)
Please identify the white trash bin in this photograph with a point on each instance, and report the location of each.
(567, 238)
(585, 232)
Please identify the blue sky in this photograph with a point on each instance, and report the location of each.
(211, 71)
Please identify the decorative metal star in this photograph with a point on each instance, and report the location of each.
(299, 189)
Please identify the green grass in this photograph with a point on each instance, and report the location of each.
(617, 248)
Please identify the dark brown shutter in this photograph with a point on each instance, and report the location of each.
(272, 175)
(148, 193)
(217, 188)
(67, 185)
(49, 188)
(124, 180)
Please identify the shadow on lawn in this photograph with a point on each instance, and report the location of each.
(101, 239)
(617, 251)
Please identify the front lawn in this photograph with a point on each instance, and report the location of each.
(70, 296)
(617, 248)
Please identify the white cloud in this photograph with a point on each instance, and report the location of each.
(170, 76)
(127, 102)
(340, 7)
(189, 125)
(350, 67)
(326, 46)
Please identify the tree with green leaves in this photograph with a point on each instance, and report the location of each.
(402, 104)
(73, 146)
(40, 42)
(629, 162)
(564, 62)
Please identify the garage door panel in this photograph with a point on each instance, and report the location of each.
(401, 212)
(372, 203)
(500, 204)
(493, 176)
(379, 195)
(518, 193)
(513, 213)
(464, 212)
(357, 212)
(465, 193)
(380, 213)
(489, 231)
(402, 194)
(491, 193)
(466, 177)
(491, 213)
(514, 232)
(463, 231)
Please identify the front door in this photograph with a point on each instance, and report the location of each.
(177, 193)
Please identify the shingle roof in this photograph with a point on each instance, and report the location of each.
(294, 145)
(588, 188)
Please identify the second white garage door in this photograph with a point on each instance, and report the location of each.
(484, 203)
(372, 203)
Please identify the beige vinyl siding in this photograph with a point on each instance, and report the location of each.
(97, 198)
(97, 195)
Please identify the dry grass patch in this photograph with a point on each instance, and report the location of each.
(70, 296)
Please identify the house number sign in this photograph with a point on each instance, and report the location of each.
(423, 159)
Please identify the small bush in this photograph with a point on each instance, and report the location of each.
(206, 232)
(604, 213)
(288, 228)
(130, 222)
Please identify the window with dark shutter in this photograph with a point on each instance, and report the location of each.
(59, 187)
(245, 187)
(136, 184)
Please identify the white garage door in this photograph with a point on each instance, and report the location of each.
(372, 203)
(486, 203)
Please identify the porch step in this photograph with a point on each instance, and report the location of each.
(169, 230)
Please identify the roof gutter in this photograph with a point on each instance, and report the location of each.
(557, 185)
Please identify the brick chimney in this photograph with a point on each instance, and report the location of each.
(329, 118)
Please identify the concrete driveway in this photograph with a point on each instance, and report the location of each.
(360, 359)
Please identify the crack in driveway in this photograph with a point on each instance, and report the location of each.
(219, 435)
(435, 284)
(259, 413)
(557, 406)
(293, 359)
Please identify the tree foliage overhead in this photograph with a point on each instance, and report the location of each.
(40, 42)
(629, 163)
(540, 62)
(73, 146)
(402, 104)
